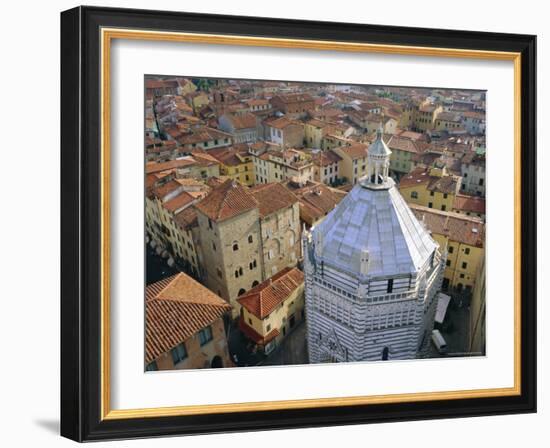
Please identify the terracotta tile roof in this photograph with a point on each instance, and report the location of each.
(412, 135)
(472, 158)
(421, 176)
(309, 213)
(231, 155)
(272, 197)
(446, 184)
(157, 167)
(265, 297)
(251, 334)
(176, 308)
(401, 144)
(157, 83)
(179, 202)
(226, 201)
(467, 203)
(317, 123)
(355, 150)
(294, 98)
(326, 158)
(317, 201)
(187, 218)
(427, 108)
(204, 159)
(279, 123)
(242, 121)
(164, 190)
(455, 226)
(257, 102)
(205, 134)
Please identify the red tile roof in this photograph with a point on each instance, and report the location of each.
(226, 201)
(176, 308)
(164, 190)
(265, 297)
(179, 202)
(421, 176)
(242, 121)
(395, 142)
(155, 167)
(187, 218)
(467, 203)
(455, 226)
(326, 158)
(355, 150)
(272, 197)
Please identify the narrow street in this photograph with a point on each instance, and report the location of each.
(292, 351)
(156, 267)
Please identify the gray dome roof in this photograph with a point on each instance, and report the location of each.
(381, 222)
(378, 147)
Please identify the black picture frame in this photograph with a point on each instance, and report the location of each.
(81, 224)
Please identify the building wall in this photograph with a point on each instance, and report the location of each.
(326, 174)
(473, 179)
(313, 135)
(200, 357)
(401, 161)
(280, 317)
(164, 231)
(360, 324)
(280, 240)
(427, 198)
(458, 275)
(352, 169)
(221, 261)
(244, 172)
(477, 312)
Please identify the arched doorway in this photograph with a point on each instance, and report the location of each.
(217, 362)
(385, 354)
(241, 292)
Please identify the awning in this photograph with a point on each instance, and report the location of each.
(442, 304)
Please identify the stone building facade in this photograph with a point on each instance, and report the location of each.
(229, 225)
(280, 227)
(372, 274)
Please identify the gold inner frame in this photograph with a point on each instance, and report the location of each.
(107, 35)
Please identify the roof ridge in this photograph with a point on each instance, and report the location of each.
(172, 279)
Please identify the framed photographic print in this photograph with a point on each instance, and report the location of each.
(276, 224)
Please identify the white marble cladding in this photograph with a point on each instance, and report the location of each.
(372, 315)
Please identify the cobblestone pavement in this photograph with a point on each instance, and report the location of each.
(293, 349)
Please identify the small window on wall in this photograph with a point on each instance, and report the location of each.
(451, 249)
(390, 286)
(235, 247)
(250, 239)
(179, 353)
(414, 195)
(151, 367)
(205, 335)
